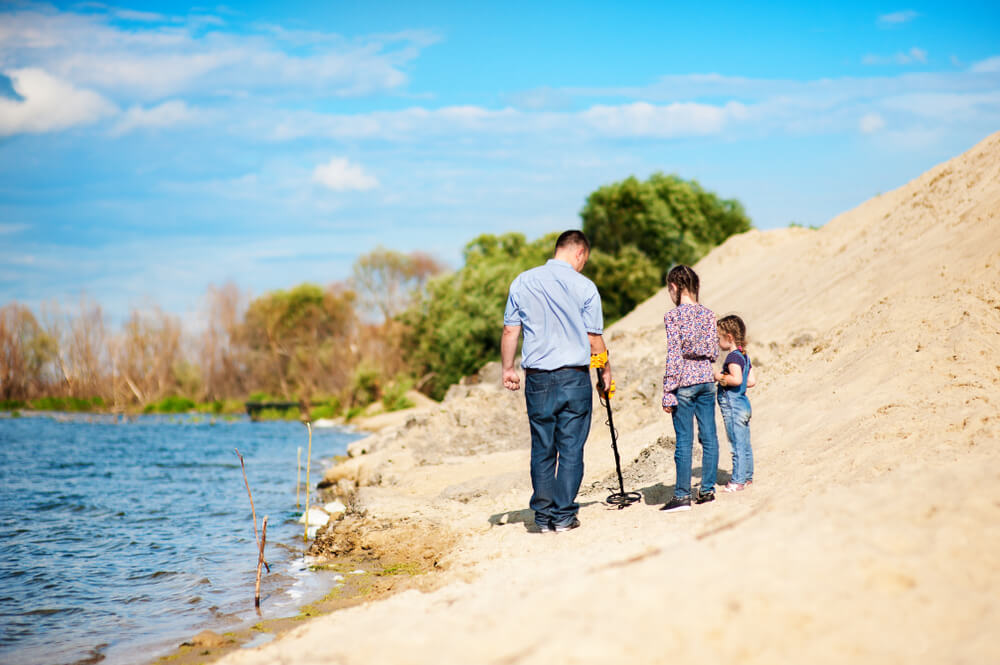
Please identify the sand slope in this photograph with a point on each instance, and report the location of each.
(872, 533)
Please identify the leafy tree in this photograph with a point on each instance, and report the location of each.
(388, 281)
(668, 219)
(296, 340)
(624, 280)
(25, 350)
(454, 329)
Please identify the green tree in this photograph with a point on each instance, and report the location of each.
(297, 340)
(25, 351)
(387, 281)
(624, 280)
(668, 219)
(455, 328)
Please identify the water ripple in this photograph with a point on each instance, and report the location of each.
(138, 535)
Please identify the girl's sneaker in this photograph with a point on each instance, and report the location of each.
(735, 487)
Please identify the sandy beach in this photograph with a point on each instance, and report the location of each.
(871, 534)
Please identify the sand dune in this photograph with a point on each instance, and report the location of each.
(872, 533)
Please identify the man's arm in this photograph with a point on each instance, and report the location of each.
(508, 349)
(597, 346)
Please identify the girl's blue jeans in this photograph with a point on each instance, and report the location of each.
(736, 413)
(695, 402)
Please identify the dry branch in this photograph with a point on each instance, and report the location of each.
(260, 560)
(253, 510)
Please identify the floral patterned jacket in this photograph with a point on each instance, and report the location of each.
(692, 346)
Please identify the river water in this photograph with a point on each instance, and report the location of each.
(122, 539)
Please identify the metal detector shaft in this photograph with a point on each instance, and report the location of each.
(620, 498)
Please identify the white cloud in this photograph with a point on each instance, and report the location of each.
(340, 175)
(871, 122)
(678, 119)
(897, 18)
(133, 15)
(167, 114)
(48, 104)
(913, 56)
(10, 229)
(625, 120)
(152, 60)
(987, 66)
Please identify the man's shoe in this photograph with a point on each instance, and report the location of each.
(567, 527)
(677, 504)
(705, 497)
(545, 528)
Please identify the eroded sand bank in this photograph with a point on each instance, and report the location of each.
(872, 533)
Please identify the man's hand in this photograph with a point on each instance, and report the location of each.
(511, 379)
(606, 377)
(508, 347)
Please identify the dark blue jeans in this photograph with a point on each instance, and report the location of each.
(695, 402)
(559, 406)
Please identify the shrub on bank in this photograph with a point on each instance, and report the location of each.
(394, 398)
(172, 404)
(219, 407)
(278, 414)
(66, 404)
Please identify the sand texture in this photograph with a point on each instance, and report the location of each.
(872, 534)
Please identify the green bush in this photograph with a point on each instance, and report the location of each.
(323, 411)
(366, 385)
(11, 404)
(66, 403)
(394, 398)
(172, 404)
(278, 414)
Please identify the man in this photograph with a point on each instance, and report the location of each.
(559, 311)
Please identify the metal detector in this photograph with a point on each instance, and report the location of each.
(621, 498)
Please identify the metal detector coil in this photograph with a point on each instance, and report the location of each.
(621, 498)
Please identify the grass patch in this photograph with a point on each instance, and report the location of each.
(12, 404)
(394, 398)
(220, 406)
(278, 414)
(172, 404)
(401, 569)
(323, 411)
(67, 403)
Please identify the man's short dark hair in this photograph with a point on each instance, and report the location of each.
(572, 237)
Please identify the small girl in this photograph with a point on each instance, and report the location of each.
(736, 376)
(692, 346)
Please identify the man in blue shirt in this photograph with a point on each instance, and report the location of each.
(559, 312)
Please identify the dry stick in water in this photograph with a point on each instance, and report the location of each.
(305, 534)
(260, 560)
(253, 510)
(298, 475)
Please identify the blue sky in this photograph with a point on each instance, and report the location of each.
(150, 149)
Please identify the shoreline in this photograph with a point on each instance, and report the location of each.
(370, 568)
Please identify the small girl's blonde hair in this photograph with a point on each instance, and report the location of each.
(733, 325)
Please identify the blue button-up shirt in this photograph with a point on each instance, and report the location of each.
(556, 307)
